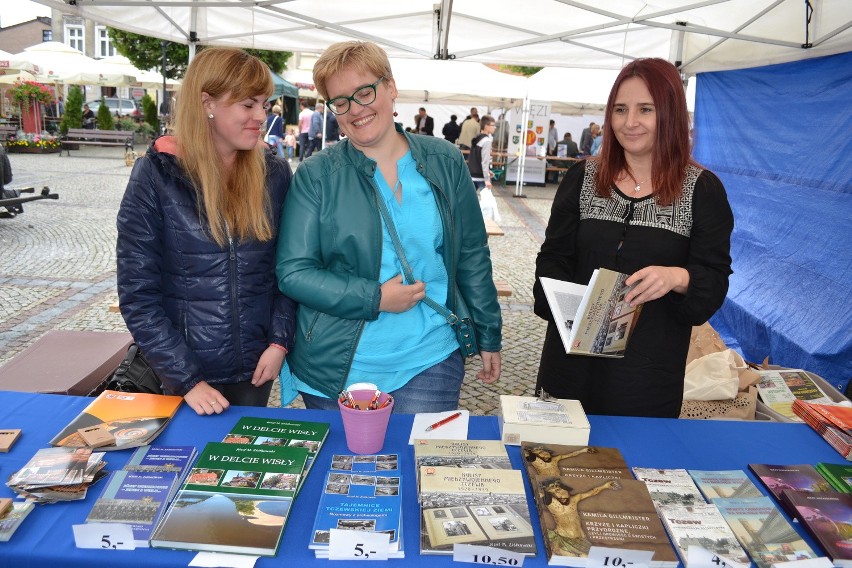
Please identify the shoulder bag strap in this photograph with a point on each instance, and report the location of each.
(271, 124)
(406, 268)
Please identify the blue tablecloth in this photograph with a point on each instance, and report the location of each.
(46, 537)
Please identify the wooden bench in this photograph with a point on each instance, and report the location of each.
(66, 362)
(85, 136)
(7, 130)
(492, 229)
(504, 290)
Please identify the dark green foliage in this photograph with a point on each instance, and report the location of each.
(526, 71)
(149, 112)
(73, 117)
(147, 53)
(105, 120)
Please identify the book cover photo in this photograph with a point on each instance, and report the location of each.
(574, 461)
(724, 484)
(579, 513)
(363, 496)
(828, 518)
(795, 477)
(134, 419)
(592, 320)
(763, 531)
(473, 506)
(279, 432)
(237, 499)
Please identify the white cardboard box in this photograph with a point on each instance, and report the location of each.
(555, 421)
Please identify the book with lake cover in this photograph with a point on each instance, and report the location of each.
(236, 499)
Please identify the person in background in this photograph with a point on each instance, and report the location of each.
(469, 129)
(597, 133)
(275, 131)
(88, 117)
(586, 139)
(552, 140)
(479, 159)
(315, 131)
(425, 123)
(358, 319)
(451, 130)
(197, 231)
(61, 105)
(501, 133)
(290, 143)
(332, 129)
(645, 208)
(305, 144)
(571, 149)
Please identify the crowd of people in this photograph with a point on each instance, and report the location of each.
(232, 271)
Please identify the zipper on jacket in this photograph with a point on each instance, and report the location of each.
(235, 314)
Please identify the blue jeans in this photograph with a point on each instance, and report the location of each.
(437, 389)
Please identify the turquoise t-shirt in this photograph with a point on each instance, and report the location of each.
(397, 346)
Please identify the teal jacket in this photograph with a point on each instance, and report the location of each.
(329, 254)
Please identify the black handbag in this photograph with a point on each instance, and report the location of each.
(463, 326)
(134, 374)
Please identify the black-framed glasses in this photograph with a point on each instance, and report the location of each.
(364, 96)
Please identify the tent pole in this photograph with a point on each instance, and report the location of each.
(522, 159)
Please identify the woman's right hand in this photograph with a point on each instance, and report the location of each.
(398, 297)
(205, 400)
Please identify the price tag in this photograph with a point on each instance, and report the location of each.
(821, 562)
(358, 545)
(603, 557)
(112, 536)
(703, 558)
(486, 555)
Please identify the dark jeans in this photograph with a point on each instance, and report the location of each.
(304, 146)
(436, 389)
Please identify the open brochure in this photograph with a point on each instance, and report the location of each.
(594, 319)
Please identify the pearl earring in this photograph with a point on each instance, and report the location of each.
(210, 115)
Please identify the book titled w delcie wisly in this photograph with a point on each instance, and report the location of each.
(594, 319)
(236, 499)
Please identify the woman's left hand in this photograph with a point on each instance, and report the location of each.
(268, 366)
(654, 282)
(490, 367)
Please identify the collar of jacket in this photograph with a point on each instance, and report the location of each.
(367, 166)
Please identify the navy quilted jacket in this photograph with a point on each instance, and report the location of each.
(198, 311)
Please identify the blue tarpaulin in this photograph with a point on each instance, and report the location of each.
(780, 138)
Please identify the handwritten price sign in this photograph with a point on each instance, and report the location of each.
(486, 555)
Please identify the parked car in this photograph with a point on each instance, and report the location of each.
(122, 107)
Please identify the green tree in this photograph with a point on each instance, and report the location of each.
(105, 120)
(526, 71)
(73, 117)
(147, 53)
(149, 112)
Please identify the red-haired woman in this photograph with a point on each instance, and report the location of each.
(643, 207)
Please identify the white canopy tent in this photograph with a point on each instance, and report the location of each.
(700, 35)
(61, 64)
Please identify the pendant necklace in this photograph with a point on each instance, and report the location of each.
(638, 186)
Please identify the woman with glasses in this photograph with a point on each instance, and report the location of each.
(197, 231)
(359, 318)
(645, 208)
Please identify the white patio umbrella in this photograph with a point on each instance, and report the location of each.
(13, 65)
(144, 79)
(62, 64)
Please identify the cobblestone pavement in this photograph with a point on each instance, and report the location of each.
(57, 266)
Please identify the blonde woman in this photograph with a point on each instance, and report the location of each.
(197, 230)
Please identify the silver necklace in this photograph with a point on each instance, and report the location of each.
(638, 186)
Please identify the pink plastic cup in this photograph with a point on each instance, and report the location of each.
(365, 429)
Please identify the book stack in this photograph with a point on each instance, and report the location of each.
(839, 476)
(779, 478)
(585, 497)
(360, 493)
(832, 422)
(826, 516)
(138, 494)
(237, 499)
(132, 419)
(557, 421)
(58, 474)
